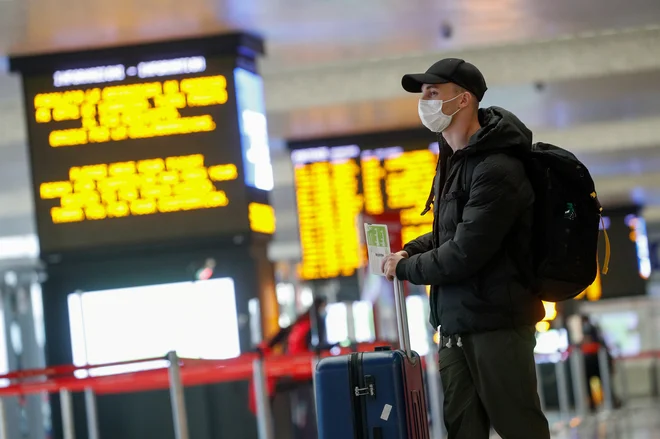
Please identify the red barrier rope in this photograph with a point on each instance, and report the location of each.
(193, 372)
(69, 369)
(641, 356)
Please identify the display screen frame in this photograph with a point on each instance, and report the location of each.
(228, 55)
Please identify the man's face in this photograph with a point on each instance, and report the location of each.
(435, 92)
(445, 93)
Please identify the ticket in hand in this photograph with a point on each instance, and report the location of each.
(378, 246)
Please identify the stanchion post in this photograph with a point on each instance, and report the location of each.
(433, 380)
(605, 380)
(3, 420)
(68, 424)
(264, 416)
(578, 374)
(625, 391)
(92, 414)
(350, 322)
(177, 398)
(315, 362)
(562, 389)
(539, 385)
(656, 372)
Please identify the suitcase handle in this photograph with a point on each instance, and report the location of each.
(402, 318)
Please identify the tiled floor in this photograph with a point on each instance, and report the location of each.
(640, 420)
(632, 423)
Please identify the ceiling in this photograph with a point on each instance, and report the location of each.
(554, 63)
(310, 31)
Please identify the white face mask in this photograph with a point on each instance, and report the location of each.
(430, 112)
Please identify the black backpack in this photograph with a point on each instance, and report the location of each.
(567, 215)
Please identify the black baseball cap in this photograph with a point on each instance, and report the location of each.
(452, 70)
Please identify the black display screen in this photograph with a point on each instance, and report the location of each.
(146, 147)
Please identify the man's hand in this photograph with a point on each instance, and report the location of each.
(390, 262)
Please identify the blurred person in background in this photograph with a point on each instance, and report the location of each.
(477, 258)
(306, 334)
(592, 341)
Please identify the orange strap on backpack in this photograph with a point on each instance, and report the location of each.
(606, 262)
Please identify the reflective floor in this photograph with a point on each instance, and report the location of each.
(640, 420)
(642, 423)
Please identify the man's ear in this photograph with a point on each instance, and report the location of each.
(465, 100)
(470, 100)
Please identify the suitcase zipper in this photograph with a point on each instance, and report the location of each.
(361, 430)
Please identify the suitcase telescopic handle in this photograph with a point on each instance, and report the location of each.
(402, 318)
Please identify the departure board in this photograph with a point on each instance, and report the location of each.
(147, 145)
(336, 184)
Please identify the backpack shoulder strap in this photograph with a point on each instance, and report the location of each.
(474, 160)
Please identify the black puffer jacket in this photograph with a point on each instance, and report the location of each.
(479, 263)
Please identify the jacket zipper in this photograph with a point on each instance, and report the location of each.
(434, 296)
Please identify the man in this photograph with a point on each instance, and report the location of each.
(478, 258)
(592, 341)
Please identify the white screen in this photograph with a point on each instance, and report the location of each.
(551, 342)
(363, 319)
(195, 319)
(417, 325)
(336, 322)
(621, 331)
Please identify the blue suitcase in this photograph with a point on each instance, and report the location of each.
(373, 395)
